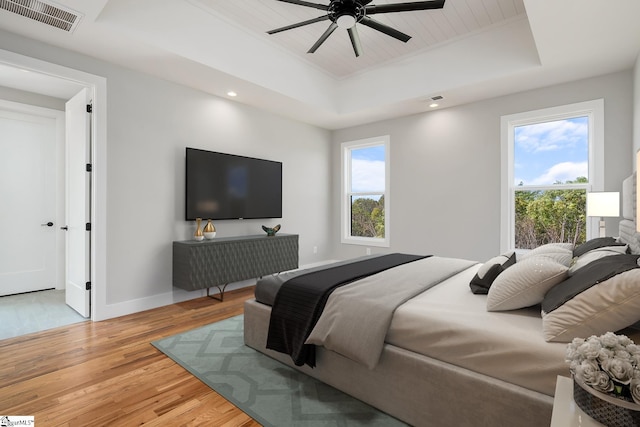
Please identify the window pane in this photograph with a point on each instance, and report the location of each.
(551, 152)
(367, 216)
(551, 216)
(367, 169)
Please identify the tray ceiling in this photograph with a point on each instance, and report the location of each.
(468, 51)
(428, 29)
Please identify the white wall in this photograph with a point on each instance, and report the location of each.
(636, 108)
(149, 123)
(445, 166)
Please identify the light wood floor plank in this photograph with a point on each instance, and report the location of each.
(108, 373)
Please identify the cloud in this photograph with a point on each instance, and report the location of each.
(552, 136)
(368, 175)
(563, 172)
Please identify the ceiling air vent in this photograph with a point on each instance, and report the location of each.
(47, 13)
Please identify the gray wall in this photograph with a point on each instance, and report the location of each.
(149, 123)
(445, 168)
(636, 108)
(446, 171)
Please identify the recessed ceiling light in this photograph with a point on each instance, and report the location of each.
(232, 93)
(434, 105)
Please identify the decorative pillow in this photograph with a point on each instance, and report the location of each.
(562, 252)
(598, 242)
(595, 254)
(610, 304)
(563, 257)
(525, 284)
(488, 272)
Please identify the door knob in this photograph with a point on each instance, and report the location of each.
(49, 224)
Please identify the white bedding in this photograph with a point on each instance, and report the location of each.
(356, 317)
(449, 323)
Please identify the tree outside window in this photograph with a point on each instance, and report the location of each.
(551, 166)
(365, 192)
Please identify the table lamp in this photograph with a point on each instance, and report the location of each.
(603, 204)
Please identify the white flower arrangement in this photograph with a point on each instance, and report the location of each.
(609, 364)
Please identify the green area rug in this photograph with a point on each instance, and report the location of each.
(270, 392)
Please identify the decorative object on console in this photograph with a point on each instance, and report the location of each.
(606, 376)
(271, 231)
(198, 235)
(603, 204)
(209, 230)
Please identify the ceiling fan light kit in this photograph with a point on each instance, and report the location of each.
(345, 14)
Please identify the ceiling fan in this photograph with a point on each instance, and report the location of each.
(346, 14)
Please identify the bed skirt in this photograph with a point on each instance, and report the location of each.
(416, 389)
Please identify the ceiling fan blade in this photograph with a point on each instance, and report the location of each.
(299, 24)
(371, 23)
(404, 7)
(355, 40)
(364, 2)
(307, 3)
(323, 37)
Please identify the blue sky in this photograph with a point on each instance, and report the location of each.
(368, 169)
(552, 151)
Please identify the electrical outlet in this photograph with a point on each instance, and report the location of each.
(315, 249)
(368, 251)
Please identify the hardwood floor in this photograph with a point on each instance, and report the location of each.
(108, 373)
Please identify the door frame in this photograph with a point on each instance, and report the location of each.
(97, 86)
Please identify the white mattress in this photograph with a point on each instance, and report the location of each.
(450, 323)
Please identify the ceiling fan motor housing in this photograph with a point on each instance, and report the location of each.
(340, 8)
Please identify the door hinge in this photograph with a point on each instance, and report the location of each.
(89, 167)
(88, 286)
(89, 108)
(88, 226)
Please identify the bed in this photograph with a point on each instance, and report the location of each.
(452, 357)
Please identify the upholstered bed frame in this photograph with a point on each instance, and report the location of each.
(421, 390)
(414, 388)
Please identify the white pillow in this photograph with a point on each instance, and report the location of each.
(610, 305)
(563, 252)
(525, 283)
(595, 254)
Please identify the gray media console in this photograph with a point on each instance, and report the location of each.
(220, 261)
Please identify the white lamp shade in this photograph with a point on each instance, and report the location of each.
(603, 204)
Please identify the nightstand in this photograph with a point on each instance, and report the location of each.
(565, 411)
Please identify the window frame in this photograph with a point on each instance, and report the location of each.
(594, 110)
(345, 194)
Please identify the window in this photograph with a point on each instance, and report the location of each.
(551, 159)
(365, 192)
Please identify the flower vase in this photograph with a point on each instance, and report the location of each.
(209, 230)
(198, 235)
(604, 408)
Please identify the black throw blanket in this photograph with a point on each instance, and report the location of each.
(300, 301)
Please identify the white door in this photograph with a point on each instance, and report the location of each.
(78, 185)
(27, 202)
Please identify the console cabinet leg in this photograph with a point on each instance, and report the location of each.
(220, 296)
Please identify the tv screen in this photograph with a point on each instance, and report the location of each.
(226, 186)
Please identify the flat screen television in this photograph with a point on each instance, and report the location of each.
(226, 186)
